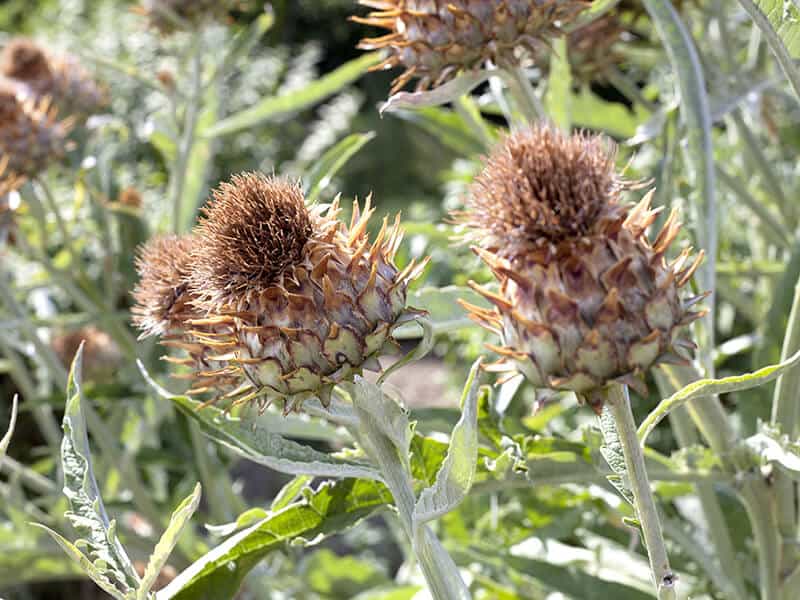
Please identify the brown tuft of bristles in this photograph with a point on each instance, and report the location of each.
(540, 185)
(250, 233)
(24, 60)
(162, 296)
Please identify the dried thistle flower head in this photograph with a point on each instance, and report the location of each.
(169, 16)
(254, 229)
(30, 134)
(162, 297)
(130, 197)
(435, 40)
(585, 299)
(59, 77)
(288, 300)
(101, 355)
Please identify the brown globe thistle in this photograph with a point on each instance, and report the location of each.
(30, 134)
(585, 298)
(591, 49)
(168, 16)
(59, 77)
(435, 40)
(130, 197)
(292, 300)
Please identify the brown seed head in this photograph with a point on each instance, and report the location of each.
(253, 229)
(101, 355)
(162, 298)
(130, 197)
(434, 40)
(24, 60)
(539, 186)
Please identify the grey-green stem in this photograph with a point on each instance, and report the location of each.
(441, 573)
(620, 407)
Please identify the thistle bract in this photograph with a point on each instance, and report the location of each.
(434, 40)
(585, 298)
(283, 301)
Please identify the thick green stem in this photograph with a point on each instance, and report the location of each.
(620, 407)
(760, 508)
(192, 112)
(441, 573)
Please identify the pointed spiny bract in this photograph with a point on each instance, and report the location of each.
(253, 229)
(585, 299)
(540, 186)
(162, 297)
(30, 134)
(288, 300)
(435, 40)
(59, 77)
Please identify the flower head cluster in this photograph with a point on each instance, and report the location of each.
(41, 73)
(435, 40)
(270, 298)
(586, 298)
(30, 134)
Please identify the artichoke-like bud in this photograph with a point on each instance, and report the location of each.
(30, 134)
(168, 16)
(434, 40)
(59, 77)
(585, 298)
(283, 299)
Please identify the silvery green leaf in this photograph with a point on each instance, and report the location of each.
(254, 442)
(612, 452)
(167, 542)
(388, 415)
(7, 437)
(87, 513)
(450, 91)
(772, 449)
(454, 479)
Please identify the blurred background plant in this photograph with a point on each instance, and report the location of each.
(147, 109)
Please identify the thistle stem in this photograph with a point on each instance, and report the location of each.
(620, 407)
(441, 573)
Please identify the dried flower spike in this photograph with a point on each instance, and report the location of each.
(59, 77)
(585, 298)
(30, 134)
(435, 40)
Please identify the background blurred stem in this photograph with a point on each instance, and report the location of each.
(191, 114)
(619, 404)
(524, 96)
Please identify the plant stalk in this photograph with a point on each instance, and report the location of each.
(192, 112)
(620, 408)
(441, 573)
(525, 99)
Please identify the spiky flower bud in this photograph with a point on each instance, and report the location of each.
(435, 40)
(169, 16)
(585, 298)
(30, 134)
(592, 49)
(292, 300)
(59, 77)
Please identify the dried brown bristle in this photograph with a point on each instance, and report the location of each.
(162, 299)
(542, 185)
(253, 229)
(24, 59)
